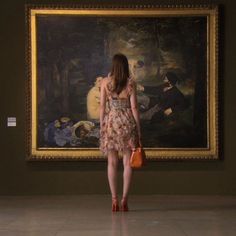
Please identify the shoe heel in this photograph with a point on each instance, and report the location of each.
(115, 205)
(124, 205)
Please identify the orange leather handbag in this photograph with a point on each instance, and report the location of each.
(138, 158)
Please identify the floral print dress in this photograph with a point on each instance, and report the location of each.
(118, 130)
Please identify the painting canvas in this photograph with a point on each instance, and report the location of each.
(73, 54)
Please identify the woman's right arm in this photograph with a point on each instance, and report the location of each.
(102, 102)
(134, 108)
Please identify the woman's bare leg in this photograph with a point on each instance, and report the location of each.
(127, 174)
(112, 171)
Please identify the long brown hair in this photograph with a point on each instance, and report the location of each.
(120, 72)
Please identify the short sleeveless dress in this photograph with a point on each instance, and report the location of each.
(118, 130)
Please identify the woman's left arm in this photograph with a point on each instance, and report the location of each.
(102, 102)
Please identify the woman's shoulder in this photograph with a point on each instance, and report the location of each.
(131, 80)
(108, 77)
(131, 84)
(104, 81)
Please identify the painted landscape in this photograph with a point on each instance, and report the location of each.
(74, 54)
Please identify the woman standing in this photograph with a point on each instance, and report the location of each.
(119, 126)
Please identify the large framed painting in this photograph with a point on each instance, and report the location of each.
(172, 54)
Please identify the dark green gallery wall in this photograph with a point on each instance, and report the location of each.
(19, 177)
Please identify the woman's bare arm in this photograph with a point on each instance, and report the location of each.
(134, 108)
(102, 101)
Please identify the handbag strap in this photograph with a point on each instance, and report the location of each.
(140, 144)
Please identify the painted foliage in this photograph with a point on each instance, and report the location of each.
(74, 55)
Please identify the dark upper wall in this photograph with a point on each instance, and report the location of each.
(20, 177)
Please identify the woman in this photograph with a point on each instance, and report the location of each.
(119, 125)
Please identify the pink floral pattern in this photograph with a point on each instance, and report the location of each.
(118, 130)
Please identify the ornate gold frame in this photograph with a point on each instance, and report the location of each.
(211, 11)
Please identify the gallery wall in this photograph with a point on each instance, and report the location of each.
(21, 177)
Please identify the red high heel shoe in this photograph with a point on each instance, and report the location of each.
(115, 204)
(124, 204)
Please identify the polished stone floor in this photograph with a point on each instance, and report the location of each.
(90, 215)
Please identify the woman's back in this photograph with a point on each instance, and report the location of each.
(124, 94)
(118, 129)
